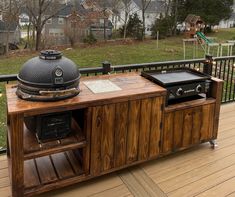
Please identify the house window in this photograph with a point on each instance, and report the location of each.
(60, 21)
(61, 34)
(49, 21)
(51, 34)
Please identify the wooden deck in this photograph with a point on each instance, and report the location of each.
(200, 171)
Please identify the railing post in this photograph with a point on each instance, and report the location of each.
(208, 65)
(106, 67)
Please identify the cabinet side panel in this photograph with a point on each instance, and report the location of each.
(97, 120)
(121, 120)
(207, 122)
(197, 123)
(155, 129)
(178, 129)
(107, 138)
(187, 128)
(167, 137)
(87, 132)
(133, 131)
(145, 120)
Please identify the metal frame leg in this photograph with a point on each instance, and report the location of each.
(213, 144)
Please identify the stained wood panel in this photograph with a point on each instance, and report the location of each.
(133, 131)
(76, 165)
(167, 137)
(144, 133)
(31, 178)
(107, 144)
(62, 165)
(178, 129)
(187, 127)
(121, 123)
(97, 123)
(45, 170)
(207, 122)
(156, 126)
(197, 122)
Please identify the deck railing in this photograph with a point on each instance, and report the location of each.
(221, 67)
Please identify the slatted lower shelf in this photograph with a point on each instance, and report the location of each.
(33, 148)
(46, 170)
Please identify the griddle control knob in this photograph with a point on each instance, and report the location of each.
(179, 92)
(199, 88)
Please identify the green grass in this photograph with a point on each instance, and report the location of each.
(117, 54)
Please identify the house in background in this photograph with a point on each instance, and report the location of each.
(14, 33)
(155, 9)
(75, 22)
(229, 23)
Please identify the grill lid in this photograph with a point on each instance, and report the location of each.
(50, 69)
(50, 76)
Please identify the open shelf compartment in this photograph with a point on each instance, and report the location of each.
(50, 169)
(34, 148)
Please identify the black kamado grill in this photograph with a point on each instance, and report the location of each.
(49, 77)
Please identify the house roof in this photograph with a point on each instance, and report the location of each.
(3, 26)
(193, 19)
(67, 10)
(154, 6)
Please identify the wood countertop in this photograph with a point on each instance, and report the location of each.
(132, 85)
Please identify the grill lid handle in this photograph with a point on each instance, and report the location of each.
(50, 55)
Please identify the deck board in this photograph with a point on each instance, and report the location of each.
(199, 171)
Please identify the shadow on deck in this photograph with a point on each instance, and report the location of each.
(200, 171)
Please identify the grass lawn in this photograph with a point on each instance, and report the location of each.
(117, 54)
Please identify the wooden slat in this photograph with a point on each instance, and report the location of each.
(178, 129)
(31, 178)
(197, 122)
(167, 137)
(204, 183)
(155, 128)
(86, 150)
(133, 131)
(97, 119)
(187, 128)
(207, 121)
(222, 189)
(4, 173)
(4, 164)
(216, 92)
(120, 133)
(119, 191)
(16, 167)
(107, 137)
(5, 191)
(62, 165)
(145, 120)
(196, 174)
(76, 165)
(4, 182)
(45, 170)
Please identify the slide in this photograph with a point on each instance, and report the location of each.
(202, 36)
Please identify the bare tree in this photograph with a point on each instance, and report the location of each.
(41, 11)
(144, 7)
(10, 10)
(127, 11)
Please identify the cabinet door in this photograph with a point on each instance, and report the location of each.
(124, 133)
(184, 128)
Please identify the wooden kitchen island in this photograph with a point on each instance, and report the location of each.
(110, 131)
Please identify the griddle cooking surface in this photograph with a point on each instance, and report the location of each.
(175, 77)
